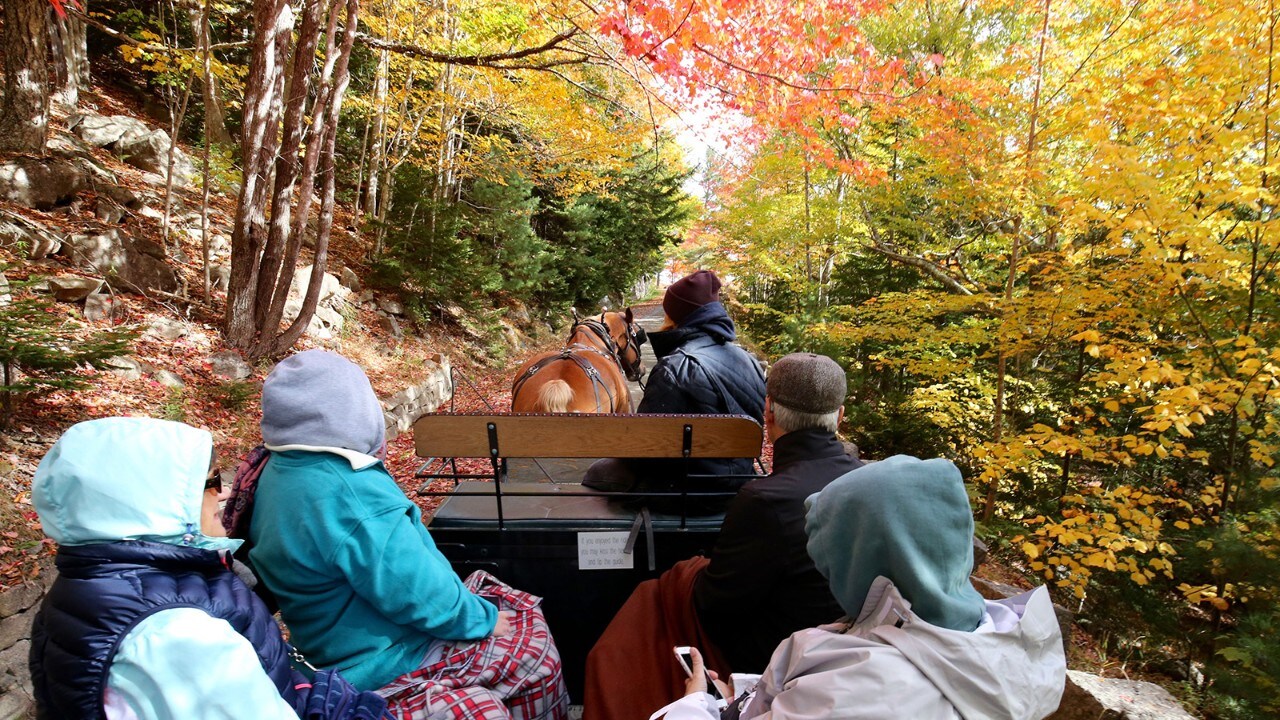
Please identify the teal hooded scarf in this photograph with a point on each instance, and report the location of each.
(908, 520)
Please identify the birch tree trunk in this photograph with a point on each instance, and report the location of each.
(206, 82)
(279, 165)
(70, 70)
(378, 150)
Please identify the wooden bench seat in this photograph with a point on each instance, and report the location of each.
(529, 436)
(527, 506)
(532, 534)
(573, 435)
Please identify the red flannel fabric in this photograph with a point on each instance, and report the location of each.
(517, 676)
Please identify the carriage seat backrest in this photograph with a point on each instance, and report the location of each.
(546, 537)
(573, 435)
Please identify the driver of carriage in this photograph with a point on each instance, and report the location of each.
(700, 370)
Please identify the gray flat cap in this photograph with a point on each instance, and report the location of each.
(807, 383)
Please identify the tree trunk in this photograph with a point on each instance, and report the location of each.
(24, 114)
(206, 72)
(997, 416)
(364, 156)
(176, 116)
(273, 27)
(378, 150)
(280, 165)
(215, 116)
(288, 162)
(70, 73)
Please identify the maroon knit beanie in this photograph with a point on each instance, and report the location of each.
(690, 293)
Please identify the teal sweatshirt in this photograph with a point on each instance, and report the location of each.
(361, 584)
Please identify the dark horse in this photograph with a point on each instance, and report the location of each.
(586, 375)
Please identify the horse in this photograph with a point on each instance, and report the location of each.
(587, 374)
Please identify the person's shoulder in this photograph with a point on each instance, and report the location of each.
(763, 492)
(316, 473)
(674, 368)
(331, 476)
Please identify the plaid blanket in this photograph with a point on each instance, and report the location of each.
(517, 676)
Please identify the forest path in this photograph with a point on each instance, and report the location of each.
(487, 389)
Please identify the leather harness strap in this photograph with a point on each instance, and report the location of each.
(601, 331)
(570, 353)
(615, 355)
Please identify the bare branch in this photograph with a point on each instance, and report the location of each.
(496, 60)
(809, 88)
(929, 268)
(154, 46)
(933, 270)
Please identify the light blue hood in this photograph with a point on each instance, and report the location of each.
(908, 520)
(126, 479)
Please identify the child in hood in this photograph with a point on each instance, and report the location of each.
(146, 619)
(894, 540)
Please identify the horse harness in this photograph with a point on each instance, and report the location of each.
(635, 338)
(570, 352)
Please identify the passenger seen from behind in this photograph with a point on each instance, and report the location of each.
(700, 370)
(146, 619)
(894, 539)
(760, 584)
(359, 580)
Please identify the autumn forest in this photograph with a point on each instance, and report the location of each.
(1040, 235)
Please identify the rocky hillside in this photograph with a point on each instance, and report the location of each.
(90, 224)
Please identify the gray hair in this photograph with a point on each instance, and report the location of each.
(789, 420)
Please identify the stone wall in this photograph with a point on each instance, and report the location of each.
(406, 406)
(17, 608)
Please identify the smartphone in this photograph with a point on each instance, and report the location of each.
(685, 658)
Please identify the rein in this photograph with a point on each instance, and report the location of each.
(599, 329)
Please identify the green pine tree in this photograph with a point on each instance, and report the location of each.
(41, 348)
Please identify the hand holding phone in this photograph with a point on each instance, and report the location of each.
(689, 659)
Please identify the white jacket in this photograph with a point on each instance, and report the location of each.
(892, 664)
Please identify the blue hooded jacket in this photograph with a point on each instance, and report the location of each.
(359, 579)
(146, 613)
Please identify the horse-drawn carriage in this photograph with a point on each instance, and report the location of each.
(526, 518)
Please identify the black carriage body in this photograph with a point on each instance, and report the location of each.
(535, 536)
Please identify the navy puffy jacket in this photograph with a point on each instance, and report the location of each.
(103, 591)
(700, 371)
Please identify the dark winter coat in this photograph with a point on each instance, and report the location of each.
(700, 371)
(104, 590)
(761, 585)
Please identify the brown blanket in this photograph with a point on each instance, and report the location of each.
(632, 671)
